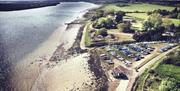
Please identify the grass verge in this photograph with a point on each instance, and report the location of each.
(87, 34)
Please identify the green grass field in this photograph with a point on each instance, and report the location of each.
(136, 7)
(175, 21)
(169, 71)
(143, 16)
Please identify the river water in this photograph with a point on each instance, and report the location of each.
(22, 32)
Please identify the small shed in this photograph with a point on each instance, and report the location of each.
(118, 73)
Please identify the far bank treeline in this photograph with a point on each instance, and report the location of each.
(156, 28)
(20, 5)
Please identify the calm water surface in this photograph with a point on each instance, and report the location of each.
(22, 31)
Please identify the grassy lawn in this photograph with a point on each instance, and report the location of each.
(176, 21)
(138, 26)
(120, 35)
(136, 7)
(169, 71)
(143, 16)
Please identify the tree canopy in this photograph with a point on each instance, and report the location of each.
(154, 21)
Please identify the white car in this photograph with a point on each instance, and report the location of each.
(128, 62)
(121, 58)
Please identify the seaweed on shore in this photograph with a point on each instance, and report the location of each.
(61, 53)
(100, 76)
(75, 49)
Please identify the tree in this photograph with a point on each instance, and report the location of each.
(125, 27)
(150, 35)
(110, 11)
(147, 25)
(100, 23)
(178, 16)
(102, 32)
(167, 23)
(154, 21)
(175, 10)
(119, 16)
(149, 13)
(99, 13)
(107, 23)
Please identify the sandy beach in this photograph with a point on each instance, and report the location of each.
(69, 75)
(36, 73)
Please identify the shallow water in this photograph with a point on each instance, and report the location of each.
(22, 31)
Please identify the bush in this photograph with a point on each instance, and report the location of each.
(122, 5)
(173, 59)
(151, 71)
(178, 16)
(125, 27)
(102, 32)
(107, 23)
(119, 16)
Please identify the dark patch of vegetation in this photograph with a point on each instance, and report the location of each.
(125, 27)
(107, 23)
(102, 32)
(173, 59)
(119, 16)
(122, 4)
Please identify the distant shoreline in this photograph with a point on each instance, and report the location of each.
(22, 5)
